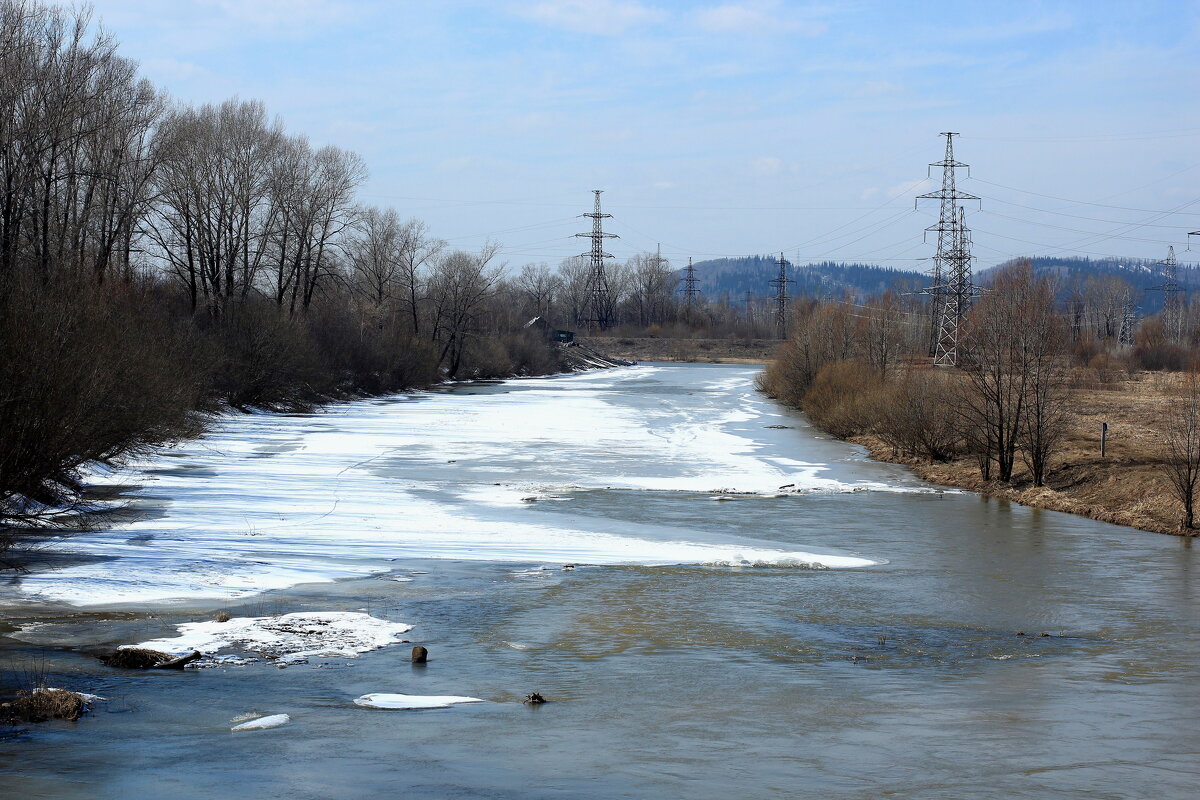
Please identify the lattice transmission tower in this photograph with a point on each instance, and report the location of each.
(1172, 296)
(952, 288)
(1129, 321)
(781, 297)
(690, 291)
(599, 307)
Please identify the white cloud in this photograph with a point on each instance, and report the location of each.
(755, 17)
(766, 165)
(604, 17)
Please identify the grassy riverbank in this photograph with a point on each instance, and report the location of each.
(1127, 486)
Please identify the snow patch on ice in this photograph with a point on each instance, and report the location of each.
(411, 701)
(268, 501)
(263, 723)
(289, 638)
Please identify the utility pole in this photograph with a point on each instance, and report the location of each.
(690, 292)
(952, 289)
(598, 310)
(1172, 301)
(781, 299)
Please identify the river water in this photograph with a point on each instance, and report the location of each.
(717, 601)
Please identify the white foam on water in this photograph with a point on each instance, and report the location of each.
(411, 701)
(267, 501)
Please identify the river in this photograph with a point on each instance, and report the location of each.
(717, 600)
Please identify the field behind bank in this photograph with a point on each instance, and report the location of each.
(1127, 486)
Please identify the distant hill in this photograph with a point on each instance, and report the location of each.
(1072, 273)
(737, 276)
(734, 277)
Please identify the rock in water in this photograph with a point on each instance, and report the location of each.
(534, 699)
(420, 655)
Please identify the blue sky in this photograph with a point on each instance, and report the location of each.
(723, 128)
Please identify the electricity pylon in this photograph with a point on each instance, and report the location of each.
(781, 299)
(690, 292)
(599, 306)
(1128, 323)
(952, 288)
(1172, 299)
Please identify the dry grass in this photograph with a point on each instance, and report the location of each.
(135, 658)
(1126, 487)
(44, 704)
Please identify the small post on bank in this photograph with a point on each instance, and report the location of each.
(1103, 437)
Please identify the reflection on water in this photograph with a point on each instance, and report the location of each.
(907, 679)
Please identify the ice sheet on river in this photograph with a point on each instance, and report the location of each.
(267, 501)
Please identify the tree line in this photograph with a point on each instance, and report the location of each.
(160, 260)
(1023, 353)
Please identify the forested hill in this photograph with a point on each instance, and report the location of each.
(737, 276)
(753, 274)
(1072, 276)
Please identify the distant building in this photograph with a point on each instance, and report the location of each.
(553, 334)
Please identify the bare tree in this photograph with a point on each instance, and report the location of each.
(417, 249)
(1181, 456)
(374, 253)
(1009, 347)
(540, 287)
(651, 295)
(459, 289)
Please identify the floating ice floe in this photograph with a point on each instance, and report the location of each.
(263, 723)
(289, 638)
(411, 701)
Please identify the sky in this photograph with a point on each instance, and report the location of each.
(723, 128)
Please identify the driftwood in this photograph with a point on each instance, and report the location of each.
(142, 658)
(180, 662)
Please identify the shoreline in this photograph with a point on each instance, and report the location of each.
(1125, 487)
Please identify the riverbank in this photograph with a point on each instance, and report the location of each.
(1126, 486)
(698, 351)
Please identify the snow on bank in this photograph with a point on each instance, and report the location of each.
(411, 701)
(266, 501)
(288, 638)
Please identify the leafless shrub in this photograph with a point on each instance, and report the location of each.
(915, 416)
(1180, 426)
